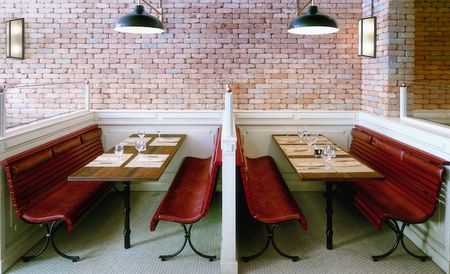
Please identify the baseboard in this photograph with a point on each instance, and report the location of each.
(228, 267)
(436, 255)
(18, 248)
(297, 186)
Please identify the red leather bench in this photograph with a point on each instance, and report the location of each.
(38, 185)
(409, 192)
(190, 196)
(268, 198)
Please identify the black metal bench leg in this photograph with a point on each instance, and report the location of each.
(400, 239)
(421, 258)
(394, 226)
(270, 239)
(251, 257)
(47, 241)
(49, 238)
(187, 239)
(209, 257)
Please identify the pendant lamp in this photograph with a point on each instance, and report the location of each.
(140, 21)
(312, 22)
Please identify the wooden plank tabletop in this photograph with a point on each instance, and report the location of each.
(292, 146)
(311, 168)
(123, 173)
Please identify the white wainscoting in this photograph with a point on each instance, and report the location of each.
(433, 237)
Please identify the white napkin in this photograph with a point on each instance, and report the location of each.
(148, 160)
(109, 160)
(131, 141)
(165, 141)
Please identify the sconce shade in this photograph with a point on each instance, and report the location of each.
(313, 23)
(15, 36)
(367, 37)
(139, 21)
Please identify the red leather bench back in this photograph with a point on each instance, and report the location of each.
(216, 162)
(413, 172)
(240, 157)
(39, 171)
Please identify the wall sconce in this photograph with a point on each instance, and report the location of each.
(140, 21)
(15, 37)
(367, 42)
(367, 35)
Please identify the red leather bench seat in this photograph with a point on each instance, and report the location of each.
(412, 179)
(191, 192)
(187, 199)
(37, 179)
(69, 203)
(383, 201)
(268, 198)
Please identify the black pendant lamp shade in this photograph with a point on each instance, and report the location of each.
(139, 21)
(313, 23)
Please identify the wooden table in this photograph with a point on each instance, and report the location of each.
(126, 175)
(310, 168)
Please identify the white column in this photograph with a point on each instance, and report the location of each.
(2, 112)
(228, 262)
(87, 96)
(403, 101)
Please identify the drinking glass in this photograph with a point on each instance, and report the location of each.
(140, 146)
(326, 156)
(141, 134)
(331, 150)
(118, 151)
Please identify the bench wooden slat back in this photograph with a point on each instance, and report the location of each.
(414, 173)
(41, 170)
(216, 162)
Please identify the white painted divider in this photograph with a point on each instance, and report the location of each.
(228, 262)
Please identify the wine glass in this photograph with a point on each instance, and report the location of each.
(302, 132)
(141, 134)
(310, 139)
(158, 130)
(140, 146)
(118, 151)
(315, 137)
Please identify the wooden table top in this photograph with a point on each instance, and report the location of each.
(122, 173)
(344, 167)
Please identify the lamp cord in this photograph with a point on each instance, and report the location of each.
(371, 11)
(299, 10)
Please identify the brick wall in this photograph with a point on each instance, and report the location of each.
(432, 59)
(394, 65)
(246, 41)
(29, 104)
